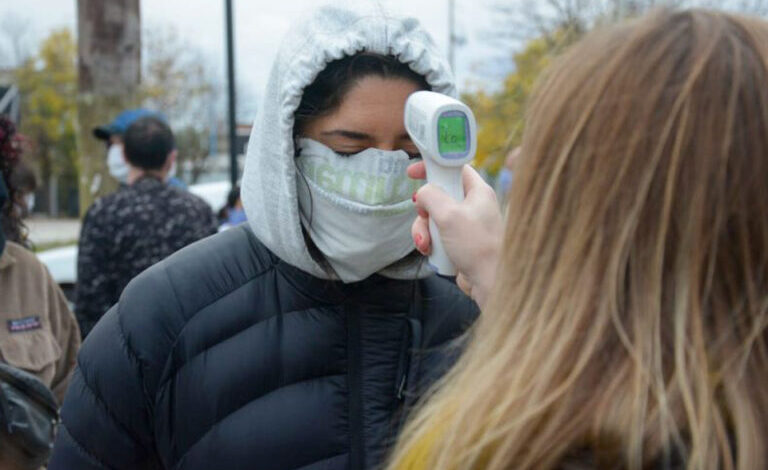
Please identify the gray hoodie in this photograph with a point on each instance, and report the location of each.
(329, 33)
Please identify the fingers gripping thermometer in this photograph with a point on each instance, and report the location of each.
(444, 130)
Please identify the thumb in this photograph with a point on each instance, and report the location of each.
(475, 187)
(471, 179)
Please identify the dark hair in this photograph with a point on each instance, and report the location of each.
(10, 155)
(329, 88)
(23, 178)
(148, 142)
(232, 197)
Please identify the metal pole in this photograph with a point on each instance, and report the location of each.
(233, 170)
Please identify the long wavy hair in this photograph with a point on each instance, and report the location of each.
(10, 153)
(627, 328)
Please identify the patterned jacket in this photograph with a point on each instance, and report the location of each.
(128, 231)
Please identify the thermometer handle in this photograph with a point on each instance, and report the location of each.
(449, 180)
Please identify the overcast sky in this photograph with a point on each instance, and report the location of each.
(260, 24)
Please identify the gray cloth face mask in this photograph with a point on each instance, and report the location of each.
(358, 209)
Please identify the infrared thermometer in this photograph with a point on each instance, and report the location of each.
(444, 130)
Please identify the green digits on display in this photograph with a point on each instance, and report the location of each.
(452, 134)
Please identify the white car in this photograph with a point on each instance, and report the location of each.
(62, 262)
(214, 193)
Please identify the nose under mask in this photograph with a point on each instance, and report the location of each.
(357, 209)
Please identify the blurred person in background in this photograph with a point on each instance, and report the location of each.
(24, 179)
(23, 182)
(146, 220)
(232, 214)
(112, 135)
(38, 333)
(625, 326)
(504, 180)
(271, 345)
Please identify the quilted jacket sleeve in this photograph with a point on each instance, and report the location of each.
(106, 418)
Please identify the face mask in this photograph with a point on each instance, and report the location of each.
(358, 209)
(29, 201)
(116, 163)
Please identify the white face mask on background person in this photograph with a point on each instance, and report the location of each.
(29, 201)
(172, 171)
(357, 209)
(116, 164)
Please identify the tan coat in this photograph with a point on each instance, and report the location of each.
(38, 332)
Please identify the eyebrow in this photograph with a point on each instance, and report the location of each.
(357, 135)
(348, 134)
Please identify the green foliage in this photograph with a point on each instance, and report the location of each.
(501, 115)
(48, 86)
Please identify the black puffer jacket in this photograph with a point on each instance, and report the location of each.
(225, 357)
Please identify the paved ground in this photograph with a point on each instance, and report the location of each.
(43, 230)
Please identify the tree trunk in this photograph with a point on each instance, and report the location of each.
(109, 65)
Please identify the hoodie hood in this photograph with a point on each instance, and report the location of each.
(269, 185)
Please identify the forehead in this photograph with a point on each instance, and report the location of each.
(373, 104)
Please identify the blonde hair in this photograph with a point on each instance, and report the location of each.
(628, 323)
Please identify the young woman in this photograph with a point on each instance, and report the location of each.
(290, 342)
(625, 327)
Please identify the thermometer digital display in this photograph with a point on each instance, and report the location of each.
(452, 135)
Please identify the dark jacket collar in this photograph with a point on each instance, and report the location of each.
(374, 291)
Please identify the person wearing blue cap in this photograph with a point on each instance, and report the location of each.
(141, 223)
(112, 135)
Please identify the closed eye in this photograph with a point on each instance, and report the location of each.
(411, 155)
(345, 154)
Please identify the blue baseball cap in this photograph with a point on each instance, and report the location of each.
(120, 124)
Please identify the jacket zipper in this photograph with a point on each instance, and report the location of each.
(354, 348)
(409, 372)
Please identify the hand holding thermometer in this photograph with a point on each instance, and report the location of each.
(444, 131)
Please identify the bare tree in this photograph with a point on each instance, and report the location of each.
(175, 78)
(15, 34)
(517, 21)
(177, 81)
